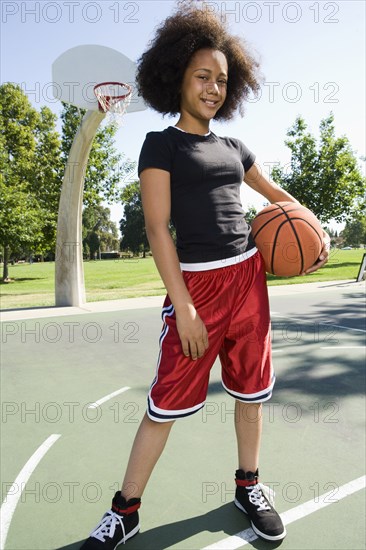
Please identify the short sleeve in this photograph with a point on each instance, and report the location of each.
(247, 157)
(155, 153)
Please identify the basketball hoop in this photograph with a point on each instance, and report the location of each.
(113, 98)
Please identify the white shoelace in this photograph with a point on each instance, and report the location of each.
(256, 497)
(107, 526)
(268, 492)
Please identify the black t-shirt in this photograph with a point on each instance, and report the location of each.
(206, 173)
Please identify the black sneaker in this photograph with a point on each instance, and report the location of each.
(249, 498)
(117, 525)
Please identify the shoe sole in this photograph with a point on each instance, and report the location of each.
(256, 530)
(129, 536)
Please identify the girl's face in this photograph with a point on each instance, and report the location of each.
(204, 84)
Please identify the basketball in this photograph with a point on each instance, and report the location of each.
(289, 237)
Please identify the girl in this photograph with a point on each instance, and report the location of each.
(217, 301)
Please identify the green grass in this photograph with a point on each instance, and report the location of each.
(342, 265)
(33, 285)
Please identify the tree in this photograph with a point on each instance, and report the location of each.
(99, 232)
(333, 234)
(20, 223)
(132, 225)
(250, 214)
(354, 232)
(22, 218)
(106, 169)
(327, 180)
(47, 175)
(32, 163)
(31, 175)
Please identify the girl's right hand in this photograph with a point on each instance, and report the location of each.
(192, 332)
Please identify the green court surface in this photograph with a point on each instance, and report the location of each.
(62, 460)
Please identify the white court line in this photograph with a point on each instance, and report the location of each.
(301, 511)
(343, 347)
(11, 500)
(107, 397)
(276, 350)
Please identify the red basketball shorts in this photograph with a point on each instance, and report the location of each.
(233, 304)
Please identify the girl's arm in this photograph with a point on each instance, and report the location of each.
(155, 194)
(269, 189)
(274, 193)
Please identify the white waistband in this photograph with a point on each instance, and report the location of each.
(204, 266)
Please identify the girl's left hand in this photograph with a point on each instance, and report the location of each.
(323, 257)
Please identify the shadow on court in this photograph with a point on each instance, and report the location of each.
(307, 364)
(225, 518)
(315, 367)
(353, 311)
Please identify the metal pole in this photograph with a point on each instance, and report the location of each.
(69, 270)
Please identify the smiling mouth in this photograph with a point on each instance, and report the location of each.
(210, 103)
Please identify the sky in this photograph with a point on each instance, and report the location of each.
(312, 56)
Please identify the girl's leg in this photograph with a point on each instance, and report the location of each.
(148, 445)
(248, 427)
(248, 495)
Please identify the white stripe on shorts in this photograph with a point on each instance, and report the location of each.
(204, 266)
(257, 397)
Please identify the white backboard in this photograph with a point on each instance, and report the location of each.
(76, 72)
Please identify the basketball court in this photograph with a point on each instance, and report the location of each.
(75, 380)
(74, 387)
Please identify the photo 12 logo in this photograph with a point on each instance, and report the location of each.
(70, 491)
(70, 12)
(71, 332)
(70, 412)
(294, 92)
(274, 12)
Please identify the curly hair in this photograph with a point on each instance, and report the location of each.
(161, 67)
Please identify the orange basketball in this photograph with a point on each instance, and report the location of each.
(289, 238)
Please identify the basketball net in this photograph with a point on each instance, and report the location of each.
(113, 99)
